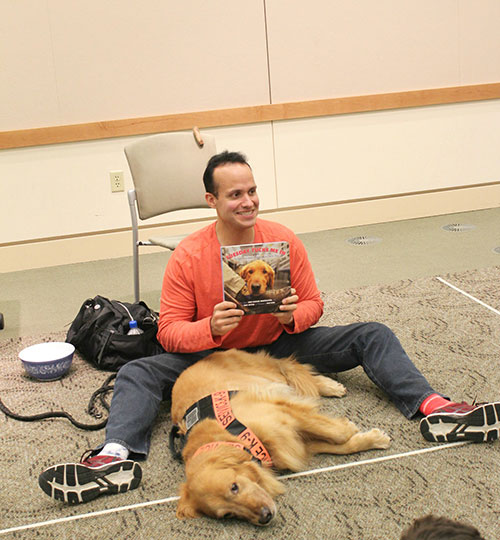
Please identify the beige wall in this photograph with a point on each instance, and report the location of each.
(72, 62)
(389, 152)
(89, 60)
(333, 48)
(92, 60)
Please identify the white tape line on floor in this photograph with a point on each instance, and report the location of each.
(374, 460)
(86, 516)
(468, 295)
(284, 477)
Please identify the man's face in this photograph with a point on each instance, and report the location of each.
(237, 202)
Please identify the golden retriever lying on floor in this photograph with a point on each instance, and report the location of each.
(275, 408)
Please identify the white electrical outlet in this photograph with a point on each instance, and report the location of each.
(117, 182)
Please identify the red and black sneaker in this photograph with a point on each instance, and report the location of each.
(462, 422)
(76, 483)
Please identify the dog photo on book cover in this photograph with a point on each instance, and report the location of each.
(256, 277)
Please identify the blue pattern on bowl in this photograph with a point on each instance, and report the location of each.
(50, 371)
(47, 361)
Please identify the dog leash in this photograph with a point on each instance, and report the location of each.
(100, 393)
(172, 437)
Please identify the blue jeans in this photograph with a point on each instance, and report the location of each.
(141, 385)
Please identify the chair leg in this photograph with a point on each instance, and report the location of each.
(135, 241)
(136, 271)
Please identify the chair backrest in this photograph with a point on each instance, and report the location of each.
(167, 171)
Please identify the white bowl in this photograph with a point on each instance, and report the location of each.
(47, 361)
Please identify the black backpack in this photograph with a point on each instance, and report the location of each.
(99, 332)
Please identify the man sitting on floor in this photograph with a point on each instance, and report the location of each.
(194, 321)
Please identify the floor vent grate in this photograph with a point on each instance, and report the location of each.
(364, 240)
(458, 227)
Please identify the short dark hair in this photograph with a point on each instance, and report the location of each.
(440, 528)
(216, 161)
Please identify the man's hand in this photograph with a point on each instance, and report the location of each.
(286, 309)
(225, 318)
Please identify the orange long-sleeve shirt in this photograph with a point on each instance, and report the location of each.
(192, 286)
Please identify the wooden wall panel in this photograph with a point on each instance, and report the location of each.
(247, 115)
(98, 69)
(479, 41)
(28, 87)
(331, 48)
(74, 62)
(378, 154)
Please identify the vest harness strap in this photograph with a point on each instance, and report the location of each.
(213, 445)
(218, 407)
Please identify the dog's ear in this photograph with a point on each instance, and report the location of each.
(265, 478)
(270, 483)
(185, 506)
(243, 271)
(270, 278)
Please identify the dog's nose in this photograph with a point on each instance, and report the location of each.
(255, 288)
(265, 515)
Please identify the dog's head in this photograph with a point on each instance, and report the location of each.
(258, 276)
(224, 483)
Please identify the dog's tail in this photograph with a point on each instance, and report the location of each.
(300, 376)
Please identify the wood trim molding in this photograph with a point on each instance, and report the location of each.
(246, 115)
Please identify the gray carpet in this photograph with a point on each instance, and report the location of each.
(452, 339)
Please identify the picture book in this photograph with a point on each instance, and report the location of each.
(256, 276)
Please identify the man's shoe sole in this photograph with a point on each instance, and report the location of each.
(480, 425)
(75, 483)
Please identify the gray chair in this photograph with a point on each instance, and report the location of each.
(167, 172)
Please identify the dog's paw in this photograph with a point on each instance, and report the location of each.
(378, 439)
(329, 387)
